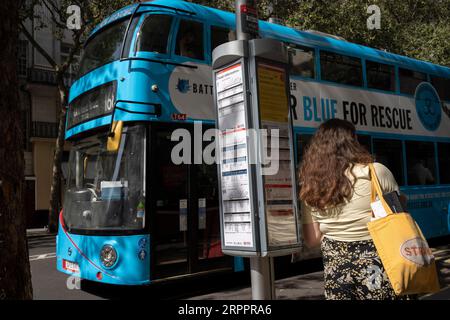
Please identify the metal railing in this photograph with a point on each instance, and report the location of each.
(42, 76)
(45, 76)
(44, 129)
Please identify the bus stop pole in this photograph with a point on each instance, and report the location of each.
(261, 268)
(262, 278)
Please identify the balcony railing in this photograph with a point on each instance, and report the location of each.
(44, 76)
(44, 129)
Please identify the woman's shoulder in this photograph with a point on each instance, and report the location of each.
(363, 170)
(384, 175)
(382, 170)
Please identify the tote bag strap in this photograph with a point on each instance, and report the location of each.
(376, 190)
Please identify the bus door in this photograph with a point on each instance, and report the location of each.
(185, 229)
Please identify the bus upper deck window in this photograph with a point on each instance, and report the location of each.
(154, 34)
(221, 35)
(340, 68)
(442, 86)
(190, 40)
(103, 48)
(302, 62)
(380, 76)
(409, 80)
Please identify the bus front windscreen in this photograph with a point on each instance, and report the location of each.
(105, 190)
(103, 48)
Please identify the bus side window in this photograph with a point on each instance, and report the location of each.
(364, 140)
(442, 86)
(380, 76)
(409, 80)
(221, 35)
(154, 34)
(190, 40)
(302, 62)
(390, 153)
(444, 162)
(420, 161)
(302, 143)
(341, 69)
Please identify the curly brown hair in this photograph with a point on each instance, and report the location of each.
(333, 149)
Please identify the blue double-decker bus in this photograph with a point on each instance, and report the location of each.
(132, 216)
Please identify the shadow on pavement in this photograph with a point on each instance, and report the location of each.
(219, 283)
(170, 289)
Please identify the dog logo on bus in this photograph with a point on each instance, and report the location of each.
(428, 106)
(183, 85)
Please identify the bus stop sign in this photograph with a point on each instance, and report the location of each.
(258, 203)
(248, 17)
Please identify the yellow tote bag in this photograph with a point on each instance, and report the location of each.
(404, 252)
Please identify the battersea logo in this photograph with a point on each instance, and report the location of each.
(428, 106)
(185, 86)
(417, 251)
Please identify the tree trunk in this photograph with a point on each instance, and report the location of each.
(15, 276)
(55, 191)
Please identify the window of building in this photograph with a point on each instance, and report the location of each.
(154, 34)
(420, 161)
(390, 153)
(380, 76)
(444, 162)
(341, 69)
(190, 40)
(409, 80)
(442, 86)
(302, 62)
(221, 35)
(22, 57)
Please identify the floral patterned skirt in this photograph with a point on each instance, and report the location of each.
(353, 271)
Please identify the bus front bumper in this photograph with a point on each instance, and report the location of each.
(80, 256)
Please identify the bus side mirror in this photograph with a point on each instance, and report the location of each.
(114, 137)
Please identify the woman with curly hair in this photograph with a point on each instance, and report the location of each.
(335, 189)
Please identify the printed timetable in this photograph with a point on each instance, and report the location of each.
(235, 187)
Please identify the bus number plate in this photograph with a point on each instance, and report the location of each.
(71, 266)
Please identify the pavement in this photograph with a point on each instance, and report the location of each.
(38, 232)
(302, 287)
(310, 286)
(48, 283)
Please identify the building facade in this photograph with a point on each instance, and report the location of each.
(40, 106)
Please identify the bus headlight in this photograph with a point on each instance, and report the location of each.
(108, 256)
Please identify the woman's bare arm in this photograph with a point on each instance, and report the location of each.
(312, 234)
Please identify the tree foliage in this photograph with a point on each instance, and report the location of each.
(415, 28)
